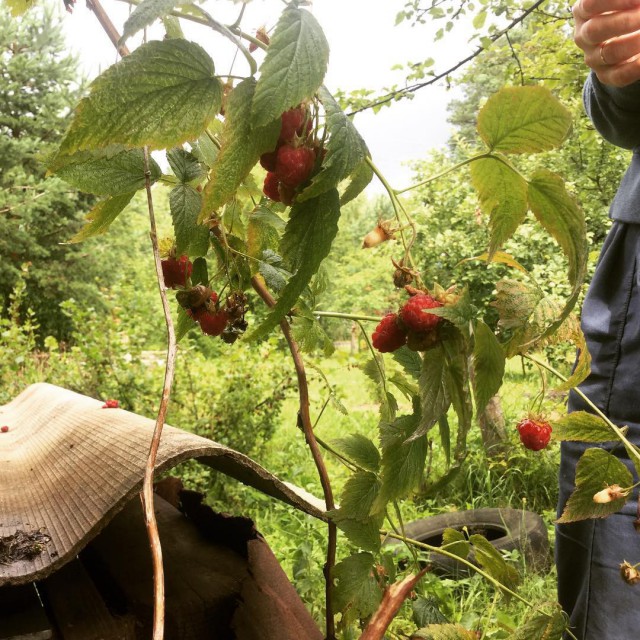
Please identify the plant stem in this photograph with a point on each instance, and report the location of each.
(346, 316)
(614, 427)
(107, 26)
(443, 173)
(305, 420)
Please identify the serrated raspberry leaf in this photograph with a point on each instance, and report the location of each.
(163, 94)
(361, 450)
(185, 166)
(457, 386)
(102, 215)
(309, 334)
(543, 627)
(240, 149)
(491, 560)
(410, 361)
(307, 240)
(434, 394)
(184, 323)
(580, 426)
(374, 369)
(356, 591)
(359, 495)
(293, 68)
(200, 274)
(107, 174)
(502, 192)
(444, 632)
(523, 120)
(488, 365)
(360, 177)
(346, 149)
(192, 239)
(145, 14)
(263, 233)
(363, 534)
(595, 470)
(455, 542)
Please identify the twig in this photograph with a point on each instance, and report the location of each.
(307, 427)
(147, 489)
(147, 486)
(415, 87)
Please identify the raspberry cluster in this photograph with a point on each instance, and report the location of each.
(413, 325)
(226, 321)
(535, 433)
(290, 164)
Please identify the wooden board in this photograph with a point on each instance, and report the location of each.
(78, 609)
(22, 616)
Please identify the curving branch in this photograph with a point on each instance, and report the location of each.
(304, 418)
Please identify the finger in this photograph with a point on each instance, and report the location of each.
(620, 75)
(605, 27)
(585, 9)
(614, 52)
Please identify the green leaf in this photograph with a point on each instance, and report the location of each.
(109, 176)
(306, 243)
(515, 302)
(595, 470)
(184, 324)
(503, 197)
(456, 543)
(346, 149)
(102, 215)
(200, 273)
(356, 590)
(359, 494)
(426, 611)
(542, 627)
(19, 7)
(581, 426)
(147, 12)
(445, 437)
(309, 334)
(364, 534)
(361, 450)
(582, 367)
(500, 257)
(375, 370)
(185, 165)
(403, 461)
(523, 120)
(360, 177)
(444, 632)
(263, 232)
(490, 559)
(192, 238)
(479, 19)
(460, 314)
(457, 386)
(162, 94)
(488, 365)
(240, 149)
(560, 215)
(434, 396)
(409, 360)
(293, 68)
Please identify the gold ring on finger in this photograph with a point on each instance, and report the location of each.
(604, 61)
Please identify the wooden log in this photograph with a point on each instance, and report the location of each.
(78, 610)
(22, 616)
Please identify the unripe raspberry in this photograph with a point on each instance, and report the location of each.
(414, 314)
(534, 434)
(389, 335)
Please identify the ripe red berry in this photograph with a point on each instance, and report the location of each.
(534, 433)
(413, 313)
(292, 124)
(213, 324)
(270, 187)
(111, 404)
(389, 335)
(4, 429)
(176, 271)
(294, 164)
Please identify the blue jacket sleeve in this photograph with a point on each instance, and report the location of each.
(615, 112)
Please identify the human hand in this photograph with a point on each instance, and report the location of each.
(608, 31)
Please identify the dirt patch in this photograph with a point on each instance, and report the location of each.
(23, 545)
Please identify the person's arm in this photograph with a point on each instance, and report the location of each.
(614, 111)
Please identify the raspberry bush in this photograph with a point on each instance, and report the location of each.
(260, 168)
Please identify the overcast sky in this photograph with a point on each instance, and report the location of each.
(365, 45)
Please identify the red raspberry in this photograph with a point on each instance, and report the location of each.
(4, 429)
(292, 123)
(268, 160)
(414, 317)
(534, 433)
(213, 324)
(294, 164)
(270, 187)
(176, 272)
(389, 335)
(111, 404)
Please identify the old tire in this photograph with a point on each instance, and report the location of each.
(506, 529)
